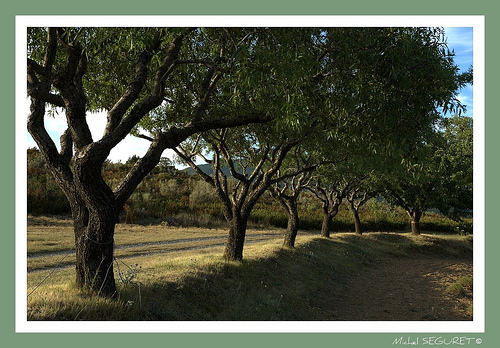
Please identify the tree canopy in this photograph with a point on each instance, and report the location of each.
(335, 91)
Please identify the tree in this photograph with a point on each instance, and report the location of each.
(357, 197)
(246, 161)
(287, 193)
(438, 174)
(363, 173)
(253, 161)
(457, 166)
(385, 87)
(162, 79)
(288, 190)
(413, 187)
(331, 186)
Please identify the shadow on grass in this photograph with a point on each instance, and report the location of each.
(274, 283)
(293, 284)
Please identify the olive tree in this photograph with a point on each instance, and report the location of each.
(365, 90)
(241, 173)
(302, 165)
(437, 174)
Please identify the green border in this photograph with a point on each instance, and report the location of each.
(93, 7)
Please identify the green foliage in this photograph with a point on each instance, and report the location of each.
(437, 173)
(43, 193)
(247, 70)
(385, 86)
(342, 91)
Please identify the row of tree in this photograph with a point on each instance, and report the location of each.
(176, 197)
(279, 107)
(436, 174)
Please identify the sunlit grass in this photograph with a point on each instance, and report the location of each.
(49, 235)
(272, 282)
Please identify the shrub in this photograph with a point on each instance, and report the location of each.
(456, 289)
(466, 282)
(202, 193)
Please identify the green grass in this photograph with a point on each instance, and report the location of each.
(272, 283)
(466, 282)
(461, 288)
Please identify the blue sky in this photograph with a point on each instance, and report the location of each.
(459, 39)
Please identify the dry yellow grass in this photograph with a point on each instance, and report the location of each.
(48, 235)
(272, 283)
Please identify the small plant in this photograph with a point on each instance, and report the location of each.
(466, 282)
(456, 289)
(128, 277)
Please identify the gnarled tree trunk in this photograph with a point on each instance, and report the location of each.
(293, 223)
(357, 223)
(415, 216)
(357, 220)
(328, 214)
(326, 225)
(94, 229)
(94, 255)
(356, 199)
(236, 239)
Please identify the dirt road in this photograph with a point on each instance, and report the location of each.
(407, 289)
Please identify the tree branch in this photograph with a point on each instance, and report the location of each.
(45, 96)
(119, 126)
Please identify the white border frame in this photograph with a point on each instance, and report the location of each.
(477, 325)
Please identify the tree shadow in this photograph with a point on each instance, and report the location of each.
(302, 284)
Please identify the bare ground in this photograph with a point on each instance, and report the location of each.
(407, 289)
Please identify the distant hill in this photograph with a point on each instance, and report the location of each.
(207, 168)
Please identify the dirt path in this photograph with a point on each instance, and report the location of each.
(252, 238)
(407, 289)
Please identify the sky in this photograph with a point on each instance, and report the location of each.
(459, 39)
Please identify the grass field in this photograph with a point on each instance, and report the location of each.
(169, 273)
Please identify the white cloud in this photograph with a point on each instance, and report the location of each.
(465, 99)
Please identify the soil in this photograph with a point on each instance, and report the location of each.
(408, 289)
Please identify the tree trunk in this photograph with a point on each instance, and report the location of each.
(357, 223)
(326, 226)
(94, 255)
(293, 224)
(415, 216)
(234, 245)
(357, 220)
(95, 217)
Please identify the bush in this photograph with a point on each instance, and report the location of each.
(466, 282)
(456, 289)
(202, 193)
